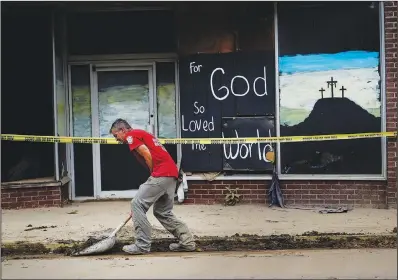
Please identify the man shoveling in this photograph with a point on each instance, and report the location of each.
(158, 190)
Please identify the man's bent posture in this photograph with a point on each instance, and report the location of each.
(158, 190)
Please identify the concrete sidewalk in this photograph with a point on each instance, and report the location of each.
(80, 221)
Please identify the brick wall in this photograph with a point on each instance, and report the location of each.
(391, 19)
(321, 193)
(313, 193)
(31, 197)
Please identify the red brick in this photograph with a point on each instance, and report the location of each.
(339, 196)
(317, 201)
(354, 196)
(250, 187)
(45, 193)
(31, 204)
(318, 191)
(303, 201)
(14, 194)
(285, 192)
(52, 197)
(347, 201)
(293, 187)
(330, 192)
(258, 191)
(45, 202)
(24, 198)
(322, 187)
(9, 200)
(215, 192)
(323, 196)
(202, 201)
(257, 201)
(201, 191)
(30, 193)
(56, 201)
(348, 191)
(250, 196)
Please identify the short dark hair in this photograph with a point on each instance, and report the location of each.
(119, 124)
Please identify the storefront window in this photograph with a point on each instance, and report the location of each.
(166, 99)
(81, 113)
(329, 83)
(81, 100)
(329, 73)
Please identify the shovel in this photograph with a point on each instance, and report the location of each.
(103, 245)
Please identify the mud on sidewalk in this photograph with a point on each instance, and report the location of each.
(216, 228)
(244, 242)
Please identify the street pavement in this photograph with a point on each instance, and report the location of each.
(307, 264)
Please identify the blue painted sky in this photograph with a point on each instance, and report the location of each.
(325, 62)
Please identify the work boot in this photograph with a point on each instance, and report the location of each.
(177, 247)
(133, 250)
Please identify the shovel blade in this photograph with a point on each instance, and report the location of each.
(98, 248)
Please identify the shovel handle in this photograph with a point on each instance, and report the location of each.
(120, 226)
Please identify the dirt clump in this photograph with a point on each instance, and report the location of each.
(44, 228)
(232, 243)
(24, 248)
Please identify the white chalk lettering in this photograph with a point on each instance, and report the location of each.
(232, 86)
(245, 150)
(199, 109)
(194, 68)
(230, 156)
(199, 147)
(227, 90)
(265, 84)
(211, 85)
(197, 125)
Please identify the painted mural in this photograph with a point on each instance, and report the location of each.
(129, 102)
(330, 93)
(166, 103)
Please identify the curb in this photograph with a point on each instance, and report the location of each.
(216, 243)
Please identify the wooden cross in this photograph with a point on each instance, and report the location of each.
(332, 83)
(322, 90)
(342, 91)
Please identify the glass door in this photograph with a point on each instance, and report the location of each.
(127, 93)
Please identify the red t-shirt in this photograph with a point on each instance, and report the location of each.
(163, 164)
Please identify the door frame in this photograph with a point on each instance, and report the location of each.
(95, 68)
(122, 60)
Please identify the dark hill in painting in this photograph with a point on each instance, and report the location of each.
(333, 116)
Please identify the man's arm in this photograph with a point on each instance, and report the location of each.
(143, 151)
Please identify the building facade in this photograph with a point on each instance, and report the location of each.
(202, 70)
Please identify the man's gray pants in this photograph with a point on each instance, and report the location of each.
(158, 191)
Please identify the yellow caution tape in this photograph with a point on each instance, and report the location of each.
(203, 141)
